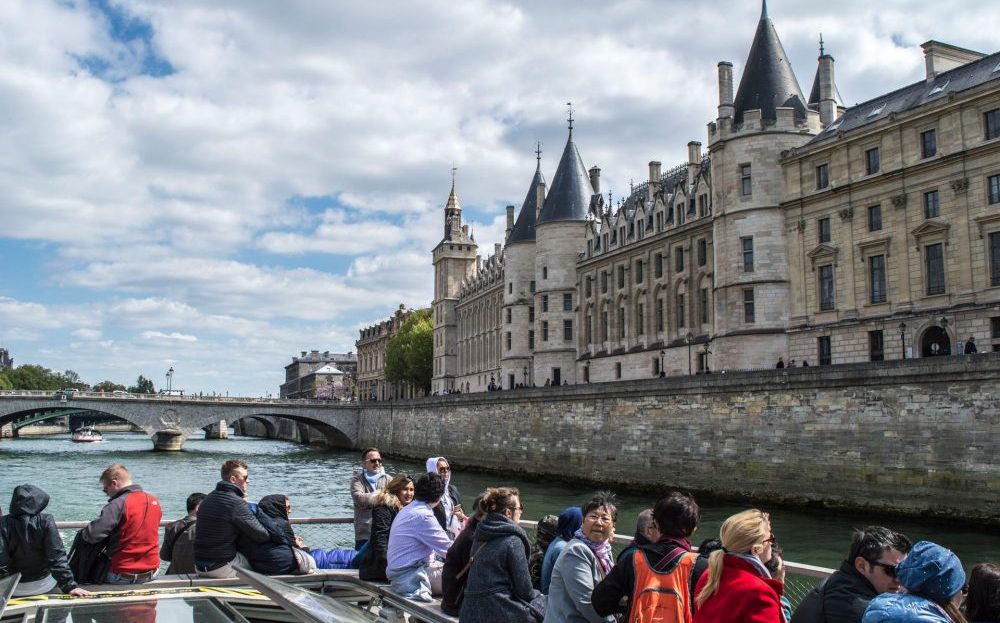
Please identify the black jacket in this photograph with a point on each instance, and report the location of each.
(274, 507)
(33, 544)
(841, 598)
(274, 556)
(222, 517)
(456, 559)
(613, 594)
(456, 500)
(371, 567)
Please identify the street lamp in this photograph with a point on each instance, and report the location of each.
(170, 378)
(902, 337)
(689, 337)
(706, 353)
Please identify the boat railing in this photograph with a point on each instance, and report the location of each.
(329, 532)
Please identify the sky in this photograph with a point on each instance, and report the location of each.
(217, 186)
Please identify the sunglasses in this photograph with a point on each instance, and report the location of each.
(890, 570)
(375, 461)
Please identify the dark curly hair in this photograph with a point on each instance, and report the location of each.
(429, 488)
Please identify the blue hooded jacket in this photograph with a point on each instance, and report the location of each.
(932, 575)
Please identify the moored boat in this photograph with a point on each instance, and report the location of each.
(87, 434)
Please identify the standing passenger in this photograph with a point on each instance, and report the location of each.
(178, 539)
(365, 485)
(416, 537)
(449, 513)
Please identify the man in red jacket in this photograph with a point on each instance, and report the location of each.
(132, 519)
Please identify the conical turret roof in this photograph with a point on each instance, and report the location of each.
(768, 80)
(570, 193)
(524, 228)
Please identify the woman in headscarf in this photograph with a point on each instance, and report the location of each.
(569, 522)
(738, 588)
(449, 512)
(586, 561)
(934, 581)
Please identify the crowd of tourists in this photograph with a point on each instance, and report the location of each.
(412, 532)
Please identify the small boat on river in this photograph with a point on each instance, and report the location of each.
(87, 434)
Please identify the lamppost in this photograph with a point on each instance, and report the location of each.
(662, 371)
(902, 337)
(170, 378)
(706, 353)
(689, 337)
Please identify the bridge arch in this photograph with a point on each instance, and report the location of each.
(51, 412)
(334, 436)
(270, 430)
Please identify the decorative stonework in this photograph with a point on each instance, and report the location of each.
(899, 201)
(960, 186)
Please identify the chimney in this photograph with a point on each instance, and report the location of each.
(940, 57)
(539, 198)
(496, 249)
(694, 160)
(510, 221)
(726, 108)
(479, 262)
(828, 111)
(303, 353)
(655, 173)
(595, 179)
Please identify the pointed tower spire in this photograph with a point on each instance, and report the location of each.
(570, 194)
(452, 212)
(569, 105)
(524, 228)
(768, 80)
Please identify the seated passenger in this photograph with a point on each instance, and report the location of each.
(933, 578)
(33, 546)
(178, 539)
(646, 532)
(499, 584)
(982, 604)
(546, 531)
(569, 522)
(397, 494)
(455, 573)
(275, 556)
(416, 537)
(449, 512)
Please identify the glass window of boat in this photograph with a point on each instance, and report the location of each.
(145, 611)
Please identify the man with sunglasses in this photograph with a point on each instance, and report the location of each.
(869, 570)
(364, 488)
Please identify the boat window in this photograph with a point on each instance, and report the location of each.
(148, 611)
(7, 586)
(308, 605)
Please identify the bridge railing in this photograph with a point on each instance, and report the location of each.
(329, 532)
(58, 395)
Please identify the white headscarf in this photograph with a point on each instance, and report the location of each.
(446, 502)
(432, 468)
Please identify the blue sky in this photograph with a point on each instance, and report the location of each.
(218, 186)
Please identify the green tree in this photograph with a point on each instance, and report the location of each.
(5, 382)
(31, 376)
(71, 379)
(409, 355)
(108, 387)
(142, 386)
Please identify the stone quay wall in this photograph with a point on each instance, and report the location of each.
(916, 437)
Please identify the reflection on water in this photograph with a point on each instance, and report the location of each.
(317, 481)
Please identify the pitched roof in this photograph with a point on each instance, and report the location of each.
(768, 80)
(569, 196)
(524, 227)
(917, 94)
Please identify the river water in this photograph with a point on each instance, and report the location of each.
(317, 480)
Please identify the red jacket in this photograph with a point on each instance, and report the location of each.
(743, 596)
(133, 517)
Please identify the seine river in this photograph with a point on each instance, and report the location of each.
(317, 479)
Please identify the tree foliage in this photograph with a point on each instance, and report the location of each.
(409, 355)
(5, 382)
(108, 387)
(142, 386)
(31, 376)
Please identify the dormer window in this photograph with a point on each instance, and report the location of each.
(877, 110)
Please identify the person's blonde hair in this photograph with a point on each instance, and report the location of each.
(742, 533)
(116, 472)
(955, 613)
(390, 495)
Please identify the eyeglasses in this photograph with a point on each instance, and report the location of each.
(600, 518)
(890, 570)
(769, 539)
(444, 470)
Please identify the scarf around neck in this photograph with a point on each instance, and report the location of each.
(757, 564)
(601, 550)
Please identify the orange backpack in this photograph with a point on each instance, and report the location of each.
(662, 595)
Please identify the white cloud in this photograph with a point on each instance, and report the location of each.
(159, 336)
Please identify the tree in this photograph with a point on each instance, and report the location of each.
(142, 386)
(31, 376)
(108, 387)
(409, 355)
(5, 382)
(71, 379)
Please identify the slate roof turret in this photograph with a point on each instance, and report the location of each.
(569, 196)
(524, 227)
(768, 81)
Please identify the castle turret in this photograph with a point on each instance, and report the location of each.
(824, 95)
(454, 261)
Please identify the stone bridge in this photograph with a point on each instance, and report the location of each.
(169, 420)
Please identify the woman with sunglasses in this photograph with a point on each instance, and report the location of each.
(738, 588)
(935, 584)
(449, 512)
(397, 494)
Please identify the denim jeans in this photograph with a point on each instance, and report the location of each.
(411, 582)
(114, 578)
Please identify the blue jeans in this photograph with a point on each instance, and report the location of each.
(411, 582)
(114, 578)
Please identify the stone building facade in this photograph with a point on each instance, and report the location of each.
(300, 377)
(6, 361)
(807, 231)
(372, 384)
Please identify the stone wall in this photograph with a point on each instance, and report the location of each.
(914, 437)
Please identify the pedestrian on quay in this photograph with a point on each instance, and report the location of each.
(365, 486)
(982, 604)
(416, 537)
(737, 587)
(131, 518)
(455, 572)
(222, 517)
(934, 581)
(655, 574)
(568, 523)
(870, 569)
(397, 494)
(30, 545)
(449, 513)
(178, 539)
(584, 563)
(970, 346)
(780, 364)
(499, 585)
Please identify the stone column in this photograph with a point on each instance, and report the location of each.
(218, 431)
(6, 431)
(168, 441)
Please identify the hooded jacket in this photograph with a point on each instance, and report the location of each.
(34, 546)
(273, 556)
(274, 506)
(904, 608)
(499, 584)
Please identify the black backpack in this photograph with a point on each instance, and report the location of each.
(90, 562)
